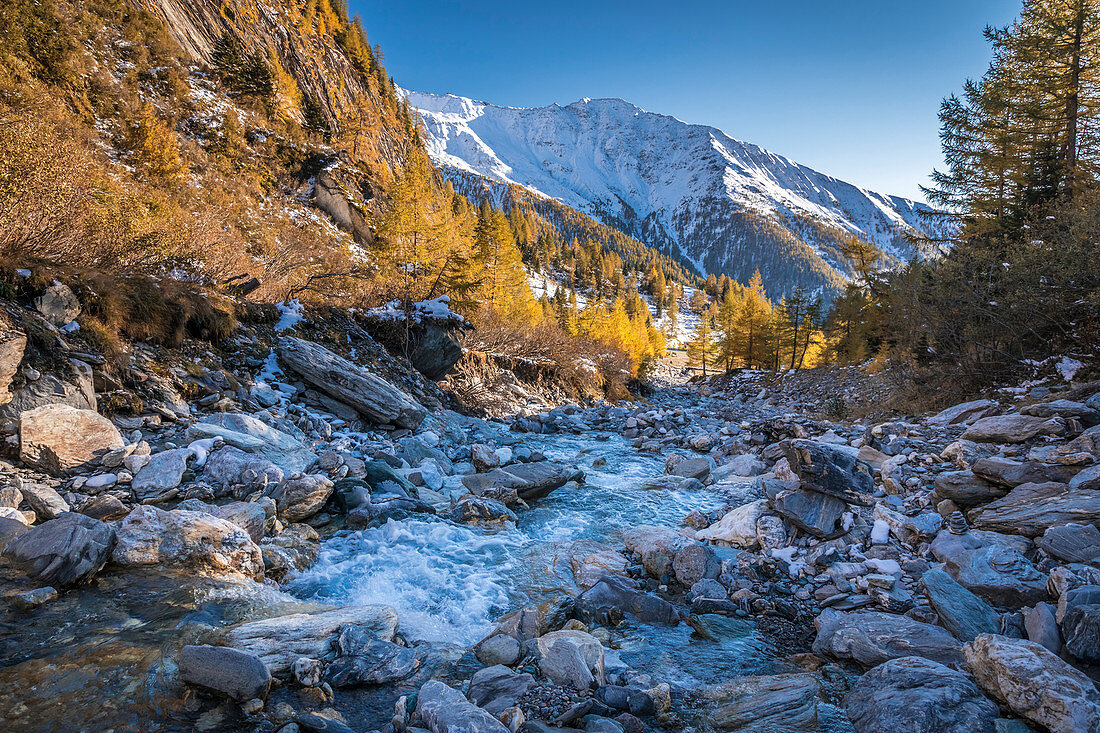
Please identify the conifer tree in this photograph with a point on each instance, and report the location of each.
(702, 349)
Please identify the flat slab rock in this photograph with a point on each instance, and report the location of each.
(280, 641)
(785, 702)
(873, 638)
(1032, 509)
(350, 383)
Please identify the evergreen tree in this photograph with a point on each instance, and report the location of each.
(702, 349)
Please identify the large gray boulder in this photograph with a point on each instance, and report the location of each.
(57, 438)
(1007, 472)
(873, 638)
(571, 659)
(240, 675)
(786, 702)
(163, 472)
(65, 551)
(814, 513)
(445, 710)
(1081, 629)
(1034, 683)
(965, 488)
(301, 497)
(364, 659)
(654, 547)
(1012, 428)
(44, 500)
(231, 466)
(964, 413)
(372, 396)
(614, 595)
(75, 389)
(249, 516)
(495, 689)
(995, 571)
(1072, 543)
(530, 481)
(960, 611)
(281, 448)
(152, 536)
(1032, 509)
(829, 469)
(917, 695)
(280, 641)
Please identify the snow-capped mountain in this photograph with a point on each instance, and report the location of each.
(692, 191)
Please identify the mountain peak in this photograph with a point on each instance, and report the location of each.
(724, 205)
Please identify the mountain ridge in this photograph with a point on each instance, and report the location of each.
(725, 205)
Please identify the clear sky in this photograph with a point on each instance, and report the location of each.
(850, 88)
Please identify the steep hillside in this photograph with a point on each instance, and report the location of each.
(689, 190)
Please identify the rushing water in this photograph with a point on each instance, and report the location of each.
(450, 583)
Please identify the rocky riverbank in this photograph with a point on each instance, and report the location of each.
(931, 574)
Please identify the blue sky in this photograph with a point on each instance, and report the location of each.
(850, 88)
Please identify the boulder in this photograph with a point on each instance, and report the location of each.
(75, 390)
(282, 640)
(1089, 479)
(281, 448)
(495, 689)
(696, 468)
(44, 500)
(655, 547)
(1072, 543)
(293, 549)
(909, 530)
(815, 513)
(239, 675)
(693, 563)
(57, 438)
(1034, 683)
(1006, 472)
(737, 528)
(480, 510)
(301, 497)
(614, 595)
(917, 695)
(205, 430)
(231, 466)
(498, 649)
(1032, 509)
(873, 638)
(529, 481)
(832, 470)
(1042, 626)
(445, 710)
(372, 396)
(164, 471)
(589, 567)
(1012, 429)
(58, 304)
(960, 611)
(1081, 629)
(152, 536)
(994, 571)
(571, 659)
(65, 551)
(965, 488)
(786, 702)
(249, 516)
(964, 413)
(1088, 415)
(364, 659)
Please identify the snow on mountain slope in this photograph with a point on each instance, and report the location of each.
(691, 190)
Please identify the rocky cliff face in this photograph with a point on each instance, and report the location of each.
(312, 58)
